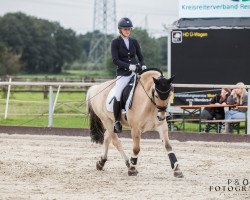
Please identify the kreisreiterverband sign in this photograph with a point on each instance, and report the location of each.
(213, 8)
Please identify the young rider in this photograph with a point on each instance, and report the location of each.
(124, 50)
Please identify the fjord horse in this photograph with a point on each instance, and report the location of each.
(148, 112)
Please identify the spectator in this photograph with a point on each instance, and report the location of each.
(216, 112)
(238, 96)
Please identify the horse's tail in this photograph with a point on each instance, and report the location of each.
(96, 126)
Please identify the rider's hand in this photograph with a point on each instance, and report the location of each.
(132, 68)
(143, 67)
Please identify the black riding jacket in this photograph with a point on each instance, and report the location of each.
(122, 56)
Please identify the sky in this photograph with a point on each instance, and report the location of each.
(79, 14)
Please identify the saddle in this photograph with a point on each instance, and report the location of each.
(126, 98)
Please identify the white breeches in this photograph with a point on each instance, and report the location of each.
(120, 84)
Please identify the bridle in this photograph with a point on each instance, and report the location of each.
(160, 108)
(152, 99)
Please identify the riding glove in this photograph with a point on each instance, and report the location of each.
(143, 67)
(132, 68)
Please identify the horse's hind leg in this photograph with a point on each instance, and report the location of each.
(107, 138)
(171, 154)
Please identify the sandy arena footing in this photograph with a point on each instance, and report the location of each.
(63, 167)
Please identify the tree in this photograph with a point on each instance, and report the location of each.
(151, 49)
(163, 41)
(44, 46)
(110, 66)
(9, 61)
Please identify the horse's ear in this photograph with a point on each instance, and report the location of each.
(156, 81)
(171, 79)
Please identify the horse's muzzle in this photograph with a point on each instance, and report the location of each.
(160, 118)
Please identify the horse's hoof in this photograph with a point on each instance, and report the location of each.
(132, 171)
(99, 166)
(178, 174)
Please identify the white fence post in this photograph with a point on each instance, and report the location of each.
(50, 106)
(7, 101)
(57, 94)
(248, 112)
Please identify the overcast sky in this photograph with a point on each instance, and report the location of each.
(78, 14)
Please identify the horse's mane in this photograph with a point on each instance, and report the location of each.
(150, 69)
(147, 74)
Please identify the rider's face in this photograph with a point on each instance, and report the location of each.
(126, 31)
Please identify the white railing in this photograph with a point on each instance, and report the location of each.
(52, 103)
(84, 84)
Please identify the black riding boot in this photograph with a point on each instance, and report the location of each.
(117, 115)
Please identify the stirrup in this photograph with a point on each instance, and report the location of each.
(117, 127)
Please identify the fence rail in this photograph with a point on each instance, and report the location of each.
(83, 84)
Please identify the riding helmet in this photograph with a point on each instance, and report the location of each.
(125, 23)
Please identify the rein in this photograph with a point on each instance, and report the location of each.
(105, 87)
(143, 71)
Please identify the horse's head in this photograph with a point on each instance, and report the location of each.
(161, 94)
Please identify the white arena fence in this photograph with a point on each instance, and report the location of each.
(58, 85)
(52, 99)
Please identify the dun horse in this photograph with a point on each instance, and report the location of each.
(148, 112)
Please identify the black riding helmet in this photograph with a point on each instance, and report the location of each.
(125, 23)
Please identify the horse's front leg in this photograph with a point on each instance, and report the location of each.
(117, 143)
(132, 171)
(173, 160)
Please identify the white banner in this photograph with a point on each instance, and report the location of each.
(214, 8)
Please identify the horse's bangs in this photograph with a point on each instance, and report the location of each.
(163, 89)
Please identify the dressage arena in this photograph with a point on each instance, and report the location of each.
(63, 167)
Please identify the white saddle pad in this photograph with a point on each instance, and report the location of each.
(110, 99)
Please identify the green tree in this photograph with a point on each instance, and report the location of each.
(9, 61)
(44, 46)
(163, 41)
(151, 48)
(110, 66)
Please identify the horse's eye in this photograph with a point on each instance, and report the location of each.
(156, 96)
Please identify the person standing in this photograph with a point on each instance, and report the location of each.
(126, 55)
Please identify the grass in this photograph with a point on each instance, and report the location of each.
(73, 74)
(88, 73)
(42, 121)
(34, 109)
